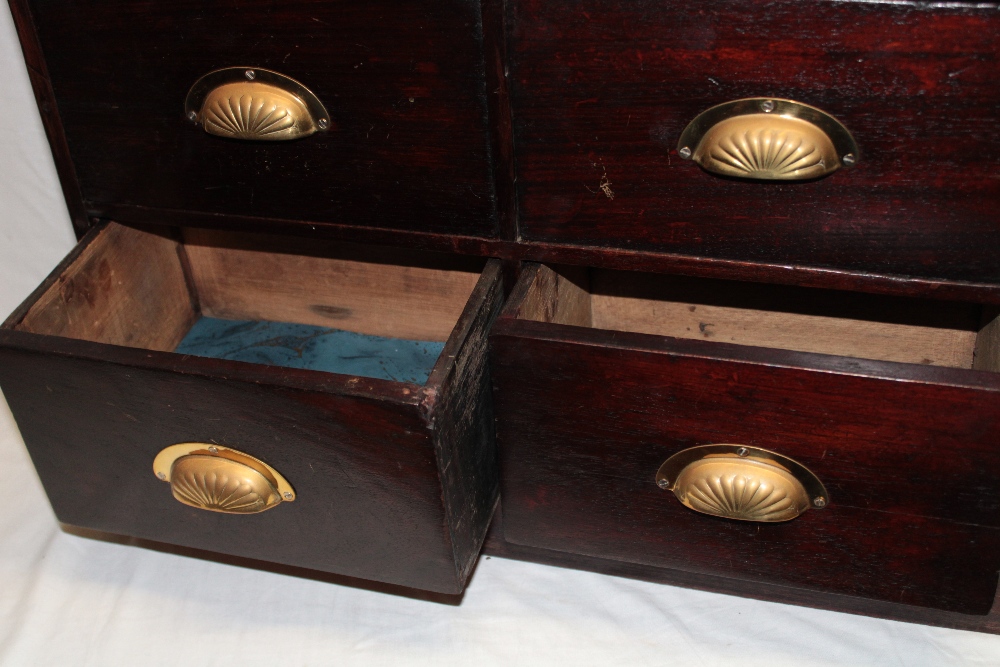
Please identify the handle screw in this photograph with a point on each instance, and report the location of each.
(162, 476)
(767, 106)
(819, 501)
(193, 116)
(250, 74)
(288, 495)
(663, 483)
(742, 452)
(849, 159)
(323, 123)
(214, 450)
(685, 153)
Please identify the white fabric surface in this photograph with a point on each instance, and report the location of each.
(67, 600)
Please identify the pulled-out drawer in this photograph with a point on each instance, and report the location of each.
(891, 405)
(319, 405)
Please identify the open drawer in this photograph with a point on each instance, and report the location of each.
(600, 377)
(337, 397)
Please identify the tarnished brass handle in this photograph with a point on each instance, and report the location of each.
(738, 482)
(220, 479)
(768, 139)
(255, 104)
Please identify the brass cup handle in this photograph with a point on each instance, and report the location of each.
(768, 139)
(254, 104)
(221, 479)
(743, 483)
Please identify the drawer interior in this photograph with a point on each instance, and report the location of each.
(867, 326)
(336, 307)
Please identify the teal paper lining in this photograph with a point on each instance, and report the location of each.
(311, 347)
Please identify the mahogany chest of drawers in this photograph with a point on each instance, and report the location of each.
(700, 294)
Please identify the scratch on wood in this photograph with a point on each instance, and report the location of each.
(606, 187)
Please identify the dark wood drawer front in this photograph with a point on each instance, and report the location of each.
(393, 481)
(407, 147)
(94, 428)
(908, 454)
(602, 90)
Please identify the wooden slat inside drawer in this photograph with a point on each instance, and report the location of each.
(919, 331)
(375, 291)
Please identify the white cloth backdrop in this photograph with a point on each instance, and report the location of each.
(67, 600)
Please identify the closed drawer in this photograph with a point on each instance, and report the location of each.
(600, 377)
(602, 90)
(407, 146)
(357, 374)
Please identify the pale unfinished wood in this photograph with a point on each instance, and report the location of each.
(537, 302)
(376, 291)
(911, 333)
(127, 288)
(558, 297)
(988, 343)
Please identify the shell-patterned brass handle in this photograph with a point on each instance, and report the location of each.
(744, 483)
(768, 139)
(255, 104)
(221, 479)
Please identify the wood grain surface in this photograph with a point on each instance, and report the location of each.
(601, 90)
(377, 291)
(352, 509)
(459, 410)
(523, 129)
(127, 288)
(408, 147)
(988, 342)
(907, 452)
(981, 291)
(496, 545)
(395, 482)
(914, 228)
(851, 325)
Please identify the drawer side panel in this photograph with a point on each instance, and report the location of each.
(463, 426)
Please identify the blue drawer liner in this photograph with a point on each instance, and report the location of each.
(312, 347)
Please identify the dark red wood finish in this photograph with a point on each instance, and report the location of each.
(408, 146)
(496, 545)
(498, 103)
(908, 453)
(457, 406)
(601, 90)
(429, 209)
(805, 276)
(395, 482)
